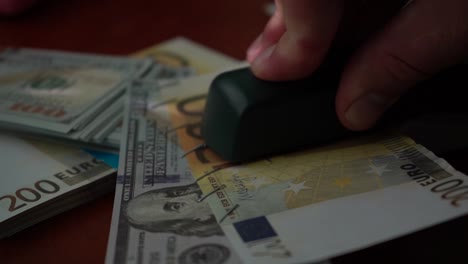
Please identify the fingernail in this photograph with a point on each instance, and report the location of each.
(254, 49)
(366, 110)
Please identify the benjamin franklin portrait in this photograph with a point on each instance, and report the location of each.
(173, 210)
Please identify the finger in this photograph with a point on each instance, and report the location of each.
(425, 37)
(310, 28)
(273, 31)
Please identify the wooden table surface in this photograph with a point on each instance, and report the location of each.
(122, 27)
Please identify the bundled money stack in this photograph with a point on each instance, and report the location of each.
(54, 104)
(65, 98)
(40, 180)
(63, 95)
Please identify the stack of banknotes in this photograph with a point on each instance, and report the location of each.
(303, 207)
(60, 122)
(63, 95)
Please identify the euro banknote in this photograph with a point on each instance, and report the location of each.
(180, 58)
(318, 203)
(174, 59)
(40, 180)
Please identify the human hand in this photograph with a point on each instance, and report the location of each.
(393, 50)
(12, 7)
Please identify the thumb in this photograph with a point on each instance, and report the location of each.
(425, 37)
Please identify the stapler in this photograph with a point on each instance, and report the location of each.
(249, 118)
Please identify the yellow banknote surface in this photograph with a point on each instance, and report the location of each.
(183, 57)
(175, 59)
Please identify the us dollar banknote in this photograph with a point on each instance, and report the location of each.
(318, 203)
(159, 213)
(60, 92)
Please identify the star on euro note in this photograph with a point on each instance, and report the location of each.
(296, 187)
(379, 170)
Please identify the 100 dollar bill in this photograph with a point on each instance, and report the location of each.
(60, 91)
(157, 214)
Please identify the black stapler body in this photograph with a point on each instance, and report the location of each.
(248, 118)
